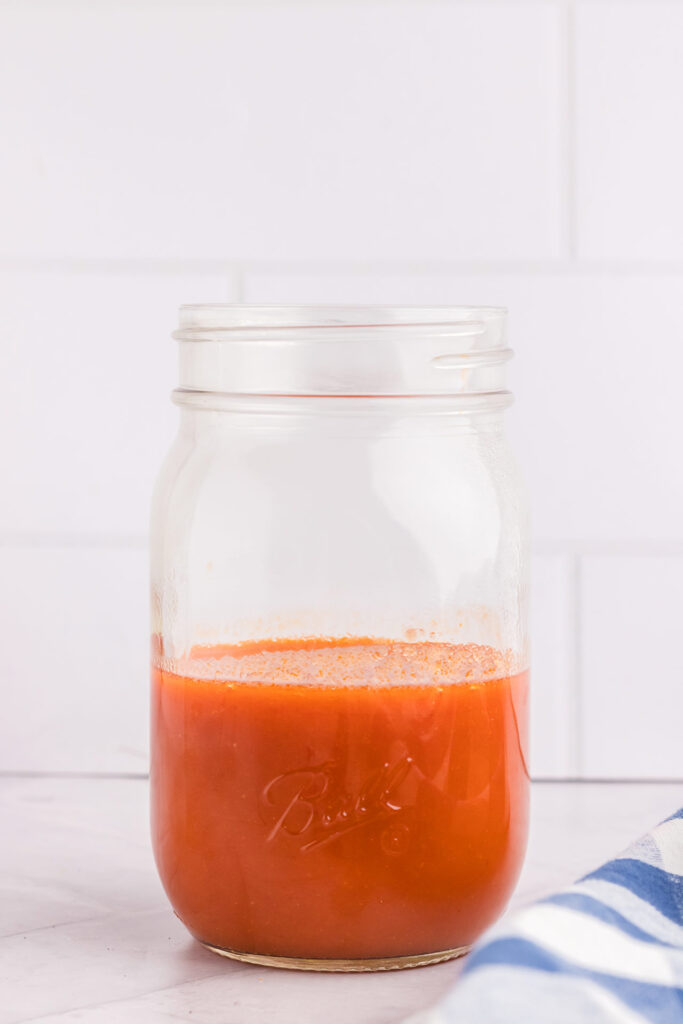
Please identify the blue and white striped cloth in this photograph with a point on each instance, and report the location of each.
(607, 950)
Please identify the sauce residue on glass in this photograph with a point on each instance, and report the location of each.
(353, 798)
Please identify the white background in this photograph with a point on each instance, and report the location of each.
(413, 151)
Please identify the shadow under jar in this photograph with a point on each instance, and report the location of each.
(339, 650)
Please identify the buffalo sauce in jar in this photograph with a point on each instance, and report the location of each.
(346, 800)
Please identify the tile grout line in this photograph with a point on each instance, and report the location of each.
(576, 674)
(113, 265)
(362, 268)
(569, 121)
(25, 773)
(237, 283)
(85, 541)
(629, 548)
(606, 780)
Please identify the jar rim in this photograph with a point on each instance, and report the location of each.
(199, 321)
(342, 350)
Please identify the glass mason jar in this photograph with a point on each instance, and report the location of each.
(339, 616)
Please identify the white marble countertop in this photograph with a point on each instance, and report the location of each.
(87, 935)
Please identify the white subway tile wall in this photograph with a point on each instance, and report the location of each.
(554, 737)
(629, 80)
(76, 650)
(89, 367)
(521, 153)
(632, 665)
(292, 131)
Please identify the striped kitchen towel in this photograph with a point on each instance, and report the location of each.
(607, 950)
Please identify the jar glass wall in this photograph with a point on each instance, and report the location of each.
(340, 664)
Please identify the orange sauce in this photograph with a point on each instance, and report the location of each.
(348, 798)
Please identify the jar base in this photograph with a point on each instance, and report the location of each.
(389, 963)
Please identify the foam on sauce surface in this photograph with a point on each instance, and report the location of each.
(344, 662)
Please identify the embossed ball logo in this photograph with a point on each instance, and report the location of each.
(312, 805)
